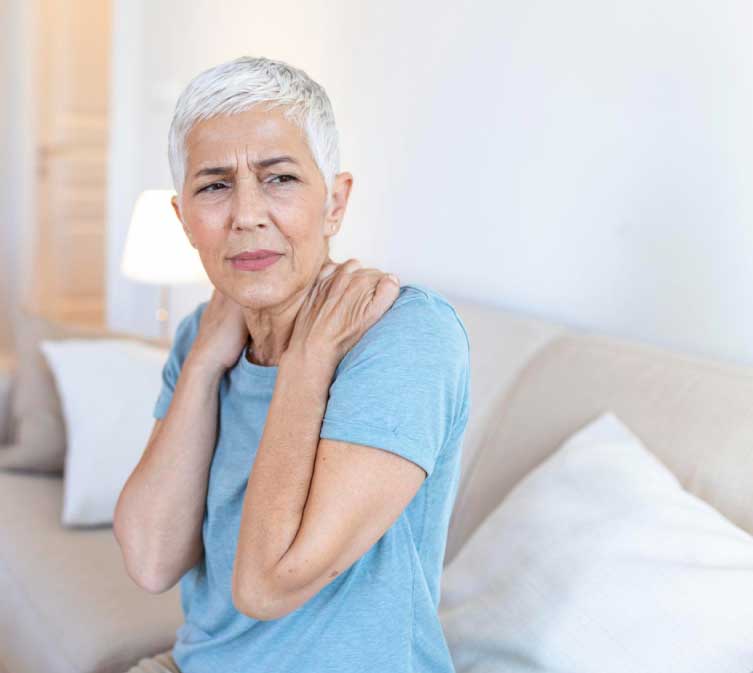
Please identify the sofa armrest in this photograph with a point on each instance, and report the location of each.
(7, 378)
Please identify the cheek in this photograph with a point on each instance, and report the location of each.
(210, 212)
(207, 231)
(299, 216)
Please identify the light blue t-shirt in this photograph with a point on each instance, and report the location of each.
(404, 388)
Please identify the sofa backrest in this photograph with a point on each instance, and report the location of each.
(693, 413)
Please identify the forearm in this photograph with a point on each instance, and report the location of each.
(278, 485)
(160, 510)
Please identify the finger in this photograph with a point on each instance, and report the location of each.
(351, 265)
(324, 282)
(326, 270)
(377, 301)
(368, 271)
(338, 281)
(377, 275)
(387, 290)
(320, 288)
(331, 268)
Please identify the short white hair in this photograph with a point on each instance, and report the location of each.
(236, 86)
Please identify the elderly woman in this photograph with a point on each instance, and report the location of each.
(300, 477)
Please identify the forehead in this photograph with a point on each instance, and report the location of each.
(254, 132)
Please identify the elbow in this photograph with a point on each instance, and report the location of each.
(254, 600)
(151, 582)
(254, 607)
(244, 601)
(155, 585)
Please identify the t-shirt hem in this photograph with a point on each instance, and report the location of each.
(388, 440)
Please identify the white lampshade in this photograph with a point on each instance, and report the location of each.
(157, 249)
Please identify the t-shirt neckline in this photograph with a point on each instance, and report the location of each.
(252, 369)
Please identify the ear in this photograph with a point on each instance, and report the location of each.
(176, 208)
(338, 202)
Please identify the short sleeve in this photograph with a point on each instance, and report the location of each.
(185, 334)
(404, 386)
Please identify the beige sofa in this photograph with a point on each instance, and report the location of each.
(68, 605)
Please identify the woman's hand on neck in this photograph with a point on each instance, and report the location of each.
(269, 334)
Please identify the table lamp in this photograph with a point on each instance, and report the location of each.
(157, 250)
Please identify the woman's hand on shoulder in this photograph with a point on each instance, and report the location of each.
(222, 333)
(343, 303)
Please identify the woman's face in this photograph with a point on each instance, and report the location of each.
(251, 182)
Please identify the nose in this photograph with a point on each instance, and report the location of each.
(249, 206)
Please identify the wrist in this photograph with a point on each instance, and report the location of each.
(203, 367)
(309, 365)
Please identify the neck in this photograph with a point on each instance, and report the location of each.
(270, 328)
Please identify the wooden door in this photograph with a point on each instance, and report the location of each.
(72, 80)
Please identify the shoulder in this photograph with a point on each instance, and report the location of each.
(426, 304)
(420, 320)
(409, 374)
(423, 308)
(187, 329)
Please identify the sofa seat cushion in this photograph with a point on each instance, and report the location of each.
(69, 605)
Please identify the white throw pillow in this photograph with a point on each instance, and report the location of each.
(598, 561)
(107, 389)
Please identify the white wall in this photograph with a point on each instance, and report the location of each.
(590, 162)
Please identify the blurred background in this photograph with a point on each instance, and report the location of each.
(590, 162)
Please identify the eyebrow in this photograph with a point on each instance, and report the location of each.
(263, 163)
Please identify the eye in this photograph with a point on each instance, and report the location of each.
(207, 188)
(291, 178)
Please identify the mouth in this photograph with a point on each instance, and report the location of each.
(247, 263)
(259, 253)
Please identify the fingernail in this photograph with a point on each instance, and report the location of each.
(393, 278)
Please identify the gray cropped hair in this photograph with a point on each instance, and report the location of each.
(237, 85)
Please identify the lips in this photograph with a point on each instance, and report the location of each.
(255, 254)
(255, 264)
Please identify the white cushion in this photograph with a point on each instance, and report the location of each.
(598, 561)
(107, 389)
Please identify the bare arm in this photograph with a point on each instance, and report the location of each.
(159, 515)
(274, 566)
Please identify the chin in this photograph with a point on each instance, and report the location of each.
(259, 296)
